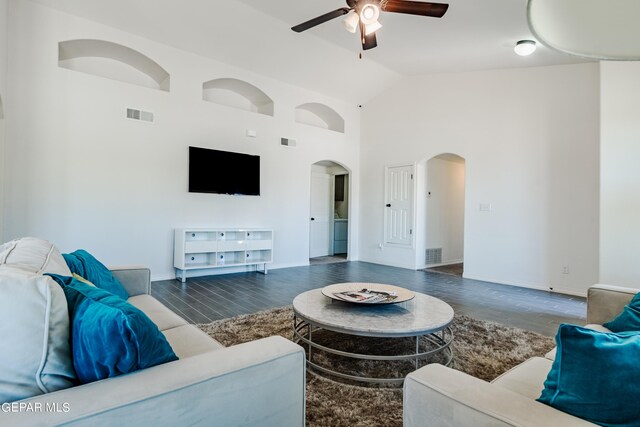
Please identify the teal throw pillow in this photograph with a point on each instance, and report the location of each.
(629, 319)
(86, 265)
(595, 376)
(109, 336)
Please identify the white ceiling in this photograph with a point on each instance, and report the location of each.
(256, 35)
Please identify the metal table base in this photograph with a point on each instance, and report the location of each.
(303, 332)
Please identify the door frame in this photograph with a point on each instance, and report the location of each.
(421, 212)
(349, 173)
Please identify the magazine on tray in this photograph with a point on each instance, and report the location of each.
(366, 296)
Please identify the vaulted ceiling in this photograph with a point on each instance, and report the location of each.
(256, 35)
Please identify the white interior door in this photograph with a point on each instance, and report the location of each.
(320, 227)
(399, 205)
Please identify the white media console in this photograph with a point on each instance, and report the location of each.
(200, 248)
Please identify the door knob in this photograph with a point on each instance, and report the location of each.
(388, 205)
(313, 219)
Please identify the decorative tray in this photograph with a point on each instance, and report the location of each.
(367, 293)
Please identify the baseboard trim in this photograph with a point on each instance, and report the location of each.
(378, 262)
(442, 264)
(556, 290)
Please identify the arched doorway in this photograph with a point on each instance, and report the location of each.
(444, 214)
(329, 213)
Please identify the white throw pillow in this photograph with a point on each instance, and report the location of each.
(35, 355)
(33, 255)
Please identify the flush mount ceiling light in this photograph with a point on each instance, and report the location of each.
(525, 47)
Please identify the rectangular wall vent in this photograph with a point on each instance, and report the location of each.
(134, 114)
(288, 142)
(433, 256)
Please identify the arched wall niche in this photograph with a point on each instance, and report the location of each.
(319, 115)
(237, 94)
(113, 61)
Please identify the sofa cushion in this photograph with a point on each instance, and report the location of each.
(157, 312)
(595, 376)
(526, 378)
(629, 319)
(552, 354)
(33, 255)
(109, 336)
(34, 326)
(86, 265)
(189, 341)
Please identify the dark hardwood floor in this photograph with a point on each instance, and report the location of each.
(204, 299)
(454, 269)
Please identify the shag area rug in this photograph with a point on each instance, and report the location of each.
(480, 348)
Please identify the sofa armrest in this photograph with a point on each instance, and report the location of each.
(439, 396)
(605, 302)
(136, 279)
(257, 383)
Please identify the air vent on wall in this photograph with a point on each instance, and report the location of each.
(433, 256)
(145, 116)
(288, 142)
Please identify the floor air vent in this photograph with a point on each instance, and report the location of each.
(433, 256)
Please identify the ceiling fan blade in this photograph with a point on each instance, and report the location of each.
(369, 42)
(435, 10)
(321, 19)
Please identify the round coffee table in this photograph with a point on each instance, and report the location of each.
(423, 317)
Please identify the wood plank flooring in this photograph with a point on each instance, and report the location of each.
(204, 299)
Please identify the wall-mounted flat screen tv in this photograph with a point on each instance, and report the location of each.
(223, 172)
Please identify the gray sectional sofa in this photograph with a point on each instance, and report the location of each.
(439, 396)
(256, 383)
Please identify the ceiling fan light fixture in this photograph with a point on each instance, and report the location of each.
(525, 47)
(372, 28)
(351, 21)
(369, 13)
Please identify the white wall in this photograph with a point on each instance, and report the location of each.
(82, 175)
(530, 141)
(444, 209)
(620, 173)
(3, 91)
(3, 47)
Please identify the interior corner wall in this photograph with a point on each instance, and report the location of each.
(620, 174)
(4, 6)
(83, 175)
(530, 139)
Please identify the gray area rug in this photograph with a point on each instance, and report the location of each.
(481, 348)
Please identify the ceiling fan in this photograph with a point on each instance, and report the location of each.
(363, 15)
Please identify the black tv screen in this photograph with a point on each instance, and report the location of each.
(223, 172)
